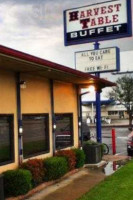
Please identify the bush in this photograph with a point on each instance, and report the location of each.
(70, 156)
(17, 182)
(102, 149)
(90, 142)
(35, 166)
(55, 167)
(80, 157)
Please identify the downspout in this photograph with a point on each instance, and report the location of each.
(52, 114)
(78, 111)
(19, 120)
(81, 119)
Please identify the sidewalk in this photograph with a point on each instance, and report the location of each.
(75, 185)
(71, 188)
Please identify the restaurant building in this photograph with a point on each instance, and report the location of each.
(39, 106)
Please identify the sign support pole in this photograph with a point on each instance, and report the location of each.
(98, 105)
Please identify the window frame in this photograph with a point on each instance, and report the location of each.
(71, 126)
(11, 138)
(48, 135)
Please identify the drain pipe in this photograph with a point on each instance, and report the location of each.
(52, 114)
(19, 119)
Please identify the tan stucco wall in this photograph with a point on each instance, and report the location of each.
(65, 101)
(35, 98)
(8, 106)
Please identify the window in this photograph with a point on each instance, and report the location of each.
(6, 139)
(64, 130)
(112, 112)
(35, 134)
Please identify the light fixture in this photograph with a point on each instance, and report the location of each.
(79, 123)
(20, 130)
(91, 88)
(54, 126)
(22, 84)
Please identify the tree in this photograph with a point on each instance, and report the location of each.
(123, 93)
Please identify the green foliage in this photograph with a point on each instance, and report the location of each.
(123, 93)
(70, 156)
(102, 149)
(80, 157)
(118, 186)
(35, 166)
(17, 182)
(55, 167)
(90, 142)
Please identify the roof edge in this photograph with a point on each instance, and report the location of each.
(33, 59)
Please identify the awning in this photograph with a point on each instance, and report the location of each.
(17, 61)
(103, 102)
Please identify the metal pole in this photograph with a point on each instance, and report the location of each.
(19, 118)
(98, 106)
(79, 122)
(92, 113)
(53, 115)
(81, 119)
(113, 142)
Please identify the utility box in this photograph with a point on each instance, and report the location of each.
(93, 153)
(1, 187)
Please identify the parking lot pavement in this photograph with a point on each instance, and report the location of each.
(121, 138)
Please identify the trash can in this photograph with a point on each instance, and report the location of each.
(1, 187)
(93, 153)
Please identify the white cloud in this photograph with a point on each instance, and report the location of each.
(36, 27)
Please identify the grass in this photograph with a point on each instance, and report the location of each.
(119, 186)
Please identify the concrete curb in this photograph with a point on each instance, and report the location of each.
(97, 165)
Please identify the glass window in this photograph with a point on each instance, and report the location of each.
(64, 130)
(6, 139)
(112, 112)
(35, 134)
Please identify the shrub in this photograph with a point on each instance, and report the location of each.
(102, 149)
(55, 167)
(70, 156)
(35, 166)
(17, 182)
(90, 142)
(80, 157)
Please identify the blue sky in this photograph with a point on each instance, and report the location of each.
(36, 27)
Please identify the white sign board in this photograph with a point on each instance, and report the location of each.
(101, 60)
(101, 21)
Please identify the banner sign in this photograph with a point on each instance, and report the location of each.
(102, 21)
(101, 60)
